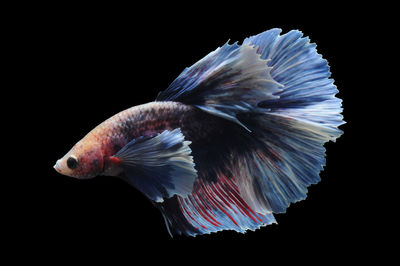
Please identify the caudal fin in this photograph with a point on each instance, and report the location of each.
(278, 99)
(308, 92)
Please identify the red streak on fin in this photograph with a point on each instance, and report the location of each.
(210, 200)
(239, 201)
(206, 212)
(204, 188)
(199, 210)
(225, 198)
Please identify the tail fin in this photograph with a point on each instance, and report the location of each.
(278, 88)
(308, 94)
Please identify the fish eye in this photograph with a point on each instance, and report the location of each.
(72, 162)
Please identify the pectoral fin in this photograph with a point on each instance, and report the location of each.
(160, 166)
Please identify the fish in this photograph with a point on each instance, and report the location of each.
(236, 138)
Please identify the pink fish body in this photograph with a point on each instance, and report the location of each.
(234, 139)
(99, 145)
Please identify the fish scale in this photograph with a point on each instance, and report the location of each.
(143, 120)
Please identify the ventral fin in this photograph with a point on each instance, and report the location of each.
(160, 166)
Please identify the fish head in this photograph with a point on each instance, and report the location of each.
(85, 160)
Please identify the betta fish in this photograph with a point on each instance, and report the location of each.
(235, 138)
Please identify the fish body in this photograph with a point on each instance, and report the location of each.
(144, 120)
(234, 139)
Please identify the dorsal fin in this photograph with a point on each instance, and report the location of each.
(228, 81)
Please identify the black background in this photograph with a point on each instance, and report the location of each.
(84, 65)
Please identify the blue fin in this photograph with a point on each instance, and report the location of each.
(290, 136)
(159, 166)
(284, 157)
(212, 207)
(228, 81)
(268, 73)
(308, 94)
(279, 88)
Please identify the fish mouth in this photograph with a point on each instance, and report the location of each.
(57, 167)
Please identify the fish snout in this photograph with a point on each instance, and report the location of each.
(57, 167)
(61, 168)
